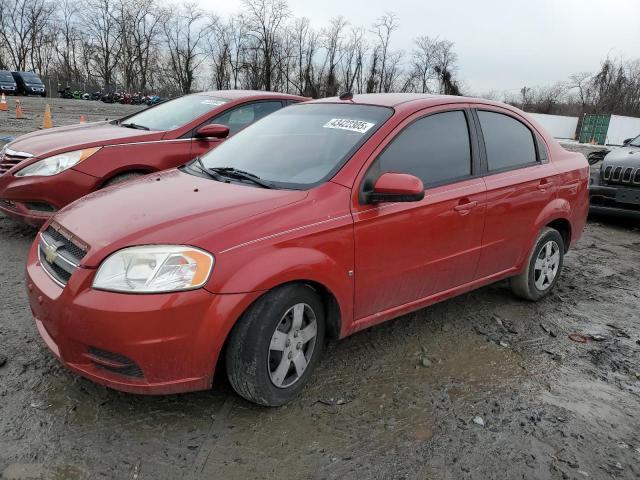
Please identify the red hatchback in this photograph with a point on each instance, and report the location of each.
(323, 219)
(46, 170)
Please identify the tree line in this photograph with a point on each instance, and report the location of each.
(151, 46)
(177, 48)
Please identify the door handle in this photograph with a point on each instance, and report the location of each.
(544, 185)
(463, 207)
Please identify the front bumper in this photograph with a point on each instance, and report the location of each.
(604, 201)
(35, 90)
(19, 196)
(172, 340)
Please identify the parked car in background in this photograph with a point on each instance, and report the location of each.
(320, 220)
(8, 85)
(615, 188)
(29, 84)
(43, 171)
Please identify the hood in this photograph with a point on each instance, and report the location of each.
(623, 156)
(64, 139)
(171, 207)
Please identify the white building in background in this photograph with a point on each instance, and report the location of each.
(557, 125)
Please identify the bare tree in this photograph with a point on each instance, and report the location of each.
(102, 24)
(264, 19)
(424, 59)
(20, 22)
(383, 28)
(332, 42)
(184, 34)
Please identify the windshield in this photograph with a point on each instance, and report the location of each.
(301, 145)
(635, 142)
(30, 77)
(6, 76)
(175, 113)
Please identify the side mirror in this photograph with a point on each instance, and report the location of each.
(627, 142)
(213, 130)
(396, 187)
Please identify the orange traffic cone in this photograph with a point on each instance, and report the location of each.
(4, 106)
(82, 119)
(47, 122)
(19, 110)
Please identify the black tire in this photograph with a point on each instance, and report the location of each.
(524, 285)
(123, 177)
(248, 348)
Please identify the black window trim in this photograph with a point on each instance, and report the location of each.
(474, 144)
(483, 149)
(191, 133)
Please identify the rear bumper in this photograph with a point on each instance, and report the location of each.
(170, 342)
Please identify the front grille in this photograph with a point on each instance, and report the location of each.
(114, 362)
(621, 175)
(10, 159)
(59, 255)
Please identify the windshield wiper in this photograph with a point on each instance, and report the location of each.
(134, 125)
(240, 174)
(209, 173)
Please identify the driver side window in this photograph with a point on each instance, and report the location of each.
(244, 115)
(435, 148)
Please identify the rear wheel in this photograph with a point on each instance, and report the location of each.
(276, 344)
(543, 269)
(123, 177)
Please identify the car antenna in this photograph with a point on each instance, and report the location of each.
(346, 96)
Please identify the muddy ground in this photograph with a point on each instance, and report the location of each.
(479, 387)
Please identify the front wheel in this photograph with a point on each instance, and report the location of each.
(544, 267)
(276, 344)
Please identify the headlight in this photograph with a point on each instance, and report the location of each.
(56, 164)
(154, 269)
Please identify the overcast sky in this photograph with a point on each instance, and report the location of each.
(501, 44)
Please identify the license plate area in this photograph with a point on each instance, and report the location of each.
(627, 195)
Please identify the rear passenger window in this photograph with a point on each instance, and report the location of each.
(509, 143)
(435, 149)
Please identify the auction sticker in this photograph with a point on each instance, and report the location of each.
(351, 125)
(212, 102)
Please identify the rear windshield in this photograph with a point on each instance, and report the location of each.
(176, 113)
(6, 76)
(30, 77)
(301, 145)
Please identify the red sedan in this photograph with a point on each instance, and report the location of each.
(46, 170)
(323, 219)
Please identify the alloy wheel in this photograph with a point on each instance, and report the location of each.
(547, 265)
(292, 345)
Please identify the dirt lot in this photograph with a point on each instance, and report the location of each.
(479, 387)
(63, 112)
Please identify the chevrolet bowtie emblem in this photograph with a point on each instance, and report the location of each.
(51, 253)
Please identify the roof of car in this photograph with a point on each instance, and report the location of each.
(236, 94)
(395, 99)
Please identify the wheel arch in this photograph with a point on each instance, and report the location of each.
(563, 226)
(124, 170)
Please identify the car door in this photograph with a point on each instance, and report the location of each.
(520, 184)
(408, 251)
(236, 119)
